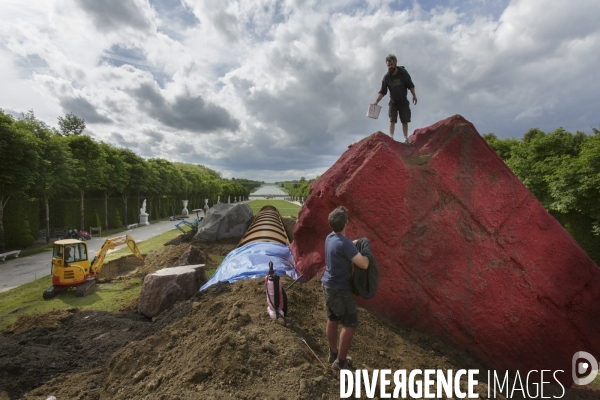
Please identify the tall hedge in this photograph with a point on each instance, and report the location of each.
(18, 213)
(116, 221)
(65, 213)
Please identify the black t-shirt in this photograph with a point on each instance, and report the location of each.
(398, 85)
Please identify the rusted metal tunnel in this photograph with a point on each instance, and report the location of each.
(266, 227)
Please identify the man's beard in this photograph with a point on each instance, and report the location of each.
(391, 69)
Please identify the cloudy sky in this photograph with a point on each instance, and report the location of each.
(277, 89)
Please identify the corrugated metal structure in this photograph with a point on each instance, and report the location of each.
(266, 227)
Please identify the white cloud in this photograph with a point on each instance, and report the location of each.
(273, 89)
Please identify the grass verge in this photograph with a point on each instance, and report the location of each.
(285, 207)
(27, 299)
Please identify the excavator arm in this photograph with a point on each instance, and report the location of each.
(110, 244)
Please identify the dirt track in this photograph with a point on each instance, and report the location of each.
(219, 345)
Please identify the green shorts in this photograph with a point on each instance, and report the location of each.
(340, 306)
(402, 108)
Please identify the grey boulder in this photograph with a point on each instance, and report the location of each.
(224, 221)
(163, 288)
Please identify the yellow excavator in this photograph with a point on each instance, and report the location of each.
(71, 265)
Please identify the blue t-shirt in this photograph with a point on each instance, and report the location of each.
(339, 251)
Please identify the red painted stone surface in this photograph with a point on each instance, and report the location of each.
(464, 250)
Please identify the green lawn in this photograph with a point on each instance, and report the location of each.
(285, 208)
(27, 299)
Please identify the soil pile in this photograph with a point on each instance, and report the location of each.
(221, 344)
(288, 224)
(119, 268)
(49, 321)
(174, 249)
(38, 348)
(225, 346)
(228, 346)
(58, 343)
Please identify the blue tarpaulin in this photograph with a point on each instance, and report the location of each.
(252, 261)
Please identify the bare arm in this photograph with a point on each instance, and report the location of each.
(379, 97)
(360, 261)
(412, 91)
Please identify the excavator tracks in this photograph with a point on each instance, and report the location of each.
(50, 292)
(85, 287)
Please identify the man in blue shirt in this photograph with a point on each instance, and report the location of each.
(340, 254)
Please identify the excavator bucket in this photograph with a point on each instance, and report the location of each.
(133, 246)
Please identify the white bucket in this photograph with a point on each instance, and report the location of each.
(373, 111)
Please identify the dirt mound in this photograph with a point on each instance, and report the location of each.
(194, 255)
(227, 346)
(163, 258)
(167, 256)
(49, 321)
(119, 267)
(288, 224)
(221, 344)
(183, 238)
(83, 340)
(217, 247)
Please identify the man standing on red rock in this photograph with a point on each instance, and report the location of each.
(398, 81)
(340, 253)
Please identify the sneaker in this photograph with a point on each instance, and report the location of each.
(337, 365)
(332, 357)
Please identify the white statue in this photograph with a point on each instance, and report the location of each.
(185, 210)
(143, 215)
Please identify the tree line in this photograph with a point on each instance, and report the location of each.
(42, 162)
(562, 170)
(298, 188)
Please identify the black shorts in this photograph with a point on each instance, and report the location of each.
(402, 108)
(340, 306)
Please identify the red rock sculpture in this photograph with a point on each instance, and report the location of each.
(464, 249)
